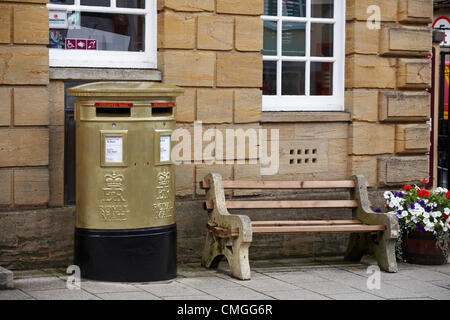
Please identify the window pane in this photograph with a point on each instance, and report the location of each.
(321, 40)
(270, 7)
(294, 8)
(294, 39)
(293, 78)
(322, 8)
(98, 3)
(270, 38)
(62, 1)
(111, 32)
(269, 78)
(321, 78)
(138, 4)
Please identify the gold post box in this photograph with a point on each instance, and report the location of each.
(125, 193)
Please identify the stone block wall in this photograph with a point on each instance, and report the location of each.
(24, 107)
(388, 70)
(212, 49)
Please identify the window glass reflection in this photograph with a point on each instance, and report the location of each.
(136, 4)
(293, 78)
(321, 40)
(270, 7)
(294, 38)
(269, 78)
(294, 8)
(98, 3)
(322, 8)
(270, 38)
(321, 79)
(62, 2)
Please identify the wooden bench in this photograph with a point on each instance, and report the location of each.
(230, 235)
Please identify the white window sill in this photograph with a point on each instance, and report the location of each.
(305, 116)
(62, 73)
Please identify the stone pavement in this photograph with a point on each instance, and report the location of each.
(328, 279)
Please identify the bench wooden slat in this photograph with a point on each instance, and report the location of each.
(291, 204)
(228, 184)
(305, 223)
(319, 229)
(209, 205)
(221, 232)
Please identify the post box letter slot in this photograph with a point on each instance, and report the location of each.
(113, 112)
(162, 112)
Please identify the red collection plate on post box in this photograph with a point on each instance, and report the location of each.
(113, 105)
(163, 105)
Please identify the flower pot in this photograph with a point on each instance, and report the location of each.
(420, 248)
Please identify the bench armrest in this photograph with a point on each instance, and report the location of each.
(367, 216)
(220, 214)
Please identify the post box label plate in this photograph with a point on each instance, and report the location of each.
(164, 148)
(113, 149)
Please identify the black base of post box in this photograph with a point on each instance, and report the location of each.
(139, 255)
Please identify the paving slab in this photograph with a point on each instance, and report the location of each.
(203, 297)
(40, 283)
(63, 294)
(335, 273)
(328, 287)
(107, 287)
(354, 296)
(173, 288)
(14, 295)
(237, 293)
(268, 285)
(388, 291)
(420, 286)
(296, 277)
(426, 274)
(442, 284)
(298, 294)
(128, 295)
(207, 282)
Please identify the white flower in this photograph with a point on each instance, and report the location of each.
(447, 211)
(426, 215)
(388, 194)
(440, 190)
(436, 214)
(417, 211)
(404, 214)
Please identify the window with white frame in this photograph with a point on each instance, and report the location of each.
(102, 33)
(303, 55)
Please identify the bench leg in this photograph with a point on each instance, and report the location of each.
(237, 256)
(385, 253)
(358, 245)
(234, 251)
(212, 252)
(383, 248)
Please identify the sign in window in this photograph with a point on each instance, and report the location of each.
(102, 33)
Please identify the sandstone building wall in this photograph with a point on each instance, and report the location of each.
(212, 48)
